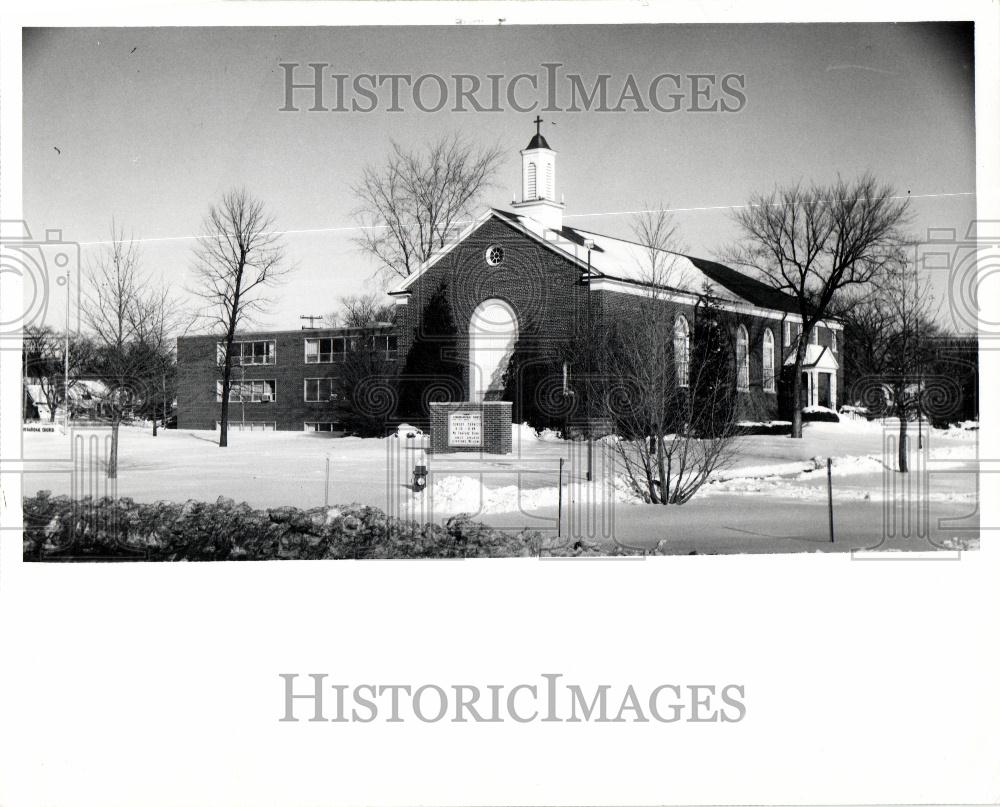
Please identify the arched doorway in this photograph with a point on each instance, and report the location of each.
(492, 336)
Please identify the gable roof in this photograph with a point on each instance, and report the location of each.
(818, 356)
(620, 259)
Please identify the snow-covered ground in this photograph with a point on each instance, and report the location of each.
(773, 497)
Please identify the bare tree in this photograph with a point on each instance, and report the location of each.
(671, 396)
(816, 242)
(119, 302)
(892, 333)
(656, 231)
(409, 206)
(674, 405)
(238, 256)
(360, 311)
(159, 320)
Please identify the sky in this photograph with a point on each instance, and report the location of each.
(150, 126)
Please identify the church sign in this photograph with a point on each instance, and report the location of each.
(465, 428)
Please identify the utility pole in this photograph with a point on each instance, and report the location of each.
(312, 321)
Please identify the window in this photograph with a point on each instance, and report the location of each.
(261, 352)
(321, 426)
(814, 335)
(768, 356)
(833, 339)
(494, 255)
(742, 360)
(250, 425)
(548, 182)
(325, 350)
(682, 350)
(786, 338)
(532, 185)
(319, 390)
(247, 391)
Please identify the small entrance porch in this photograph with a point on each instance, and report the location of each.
(819, 377)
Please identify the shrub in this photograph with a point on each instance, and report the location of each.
(57, 528)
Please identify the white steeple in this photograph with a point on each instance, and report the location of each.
(538, 183)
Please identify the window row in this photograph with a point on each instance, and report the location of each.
(323, 350)
(247, 391)
(258, 352)
(322, 426)
(682, 356)
(315, 390)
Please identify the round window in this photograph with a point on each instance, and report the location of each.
(494, 255)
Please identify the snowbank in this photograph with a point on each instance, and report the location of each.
(525, 433)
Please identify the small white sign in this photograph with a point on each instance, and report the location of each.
(465, 429)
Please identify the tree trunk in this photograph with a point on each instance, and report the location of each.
(113, 454)
(154, 419)
(661, 470)
(904, 466)
(227, 366)
(224, 416)
(797, 397)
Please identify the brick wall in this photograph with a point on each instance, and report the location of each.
(198, 371)
(544, 290)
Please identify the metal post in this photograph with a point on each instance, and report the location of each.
(66, 382)
(559, 516)
(66, 359)
(590, 377)
(326, 485)
(920, 414)
(829, 492)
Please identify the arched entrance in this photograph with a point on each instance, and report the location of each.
(492, 336)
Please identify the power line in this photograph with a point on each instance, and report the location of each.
(362, 228)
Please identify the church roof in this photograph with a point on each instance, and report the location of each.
(630, 262)
(538, 141)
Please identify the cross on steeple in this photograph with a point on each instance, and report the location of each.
(538, 124)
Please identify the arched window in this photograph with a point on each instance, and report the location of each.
(682, 350)
(742, 360)
(768, 360)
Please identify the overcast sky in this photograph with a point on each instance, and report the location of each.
(150, 126)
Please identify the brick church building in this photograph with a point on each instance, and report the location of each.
(515, 280)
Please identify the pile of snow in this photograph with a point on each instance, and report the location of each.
(467, 494)
(526, 433)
